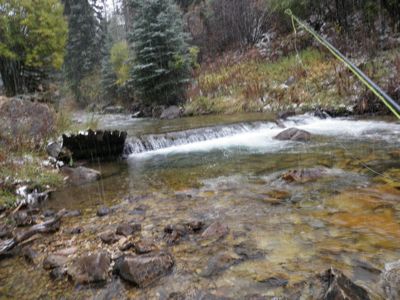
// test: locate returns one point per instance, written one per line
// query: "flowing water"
(230, 169)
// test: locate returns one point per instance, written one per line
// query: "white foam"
(261, 138)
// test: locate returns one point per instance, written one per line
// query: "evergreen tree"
(84, 49)
(160, 70)
(32, 40)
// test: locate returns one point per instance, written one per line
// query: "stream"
(230, 169)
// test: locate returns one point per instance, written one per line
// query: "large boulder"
(144, 270)
(23, 120)
(294, 134)
(171, 112)
(81, 175)
(90, 268)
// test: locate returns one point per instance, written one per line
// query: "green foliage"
(161, 65)
(33, 36)
(194, 57)
(120, 62)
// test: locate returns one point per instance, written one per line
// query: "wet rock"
(29, 254)
(90, 268)
(219, 263)
(128, 229)
(81, 175)
(22, 218)
(390, 280)
(3, 208)
(109, 237)
(112, 291)
(286, 114)
(303, 175)
(215, 230)
(195, 294)
(144, 270)
(49, 213)
(103, 211)
(58, 273)
(5, 231)
(140, 210)
(195, 226)
(72, 213)
(124, 244)
(53, 149)
(294, 134)
(144, 246)
(66, 251)
(54, 261)
(274, 282)
(247, 250)
(321, 114)
(337, 286)
(75, 230)
(174, 233)
(171, 112)
(255, 297)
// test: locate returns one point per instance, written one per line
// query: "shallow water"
(349, 217)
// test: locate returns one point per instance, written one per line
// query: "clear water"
(348, 218)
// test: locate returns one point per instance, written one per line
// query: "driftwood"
(45, 227)
(94, 145)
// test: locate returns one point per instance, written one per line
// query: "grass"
(23, 161)
(258, 85)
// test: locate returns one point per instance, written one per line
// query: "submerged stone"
(103, 211)
(109, 237)
(294, 134)
(390, 280)
(215, 230)
(145, 269)
(54, 261)
(128, 229)
(90, 268)
(219, 263)
(81, 175)
(303, 175)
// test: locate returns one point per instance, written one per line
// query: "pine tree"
(84, 50)
(160, 70)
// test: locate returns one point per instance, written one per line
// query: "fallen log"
(49, 226)
(94, 145)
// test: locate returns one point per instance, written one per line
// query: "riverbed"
(231, 170)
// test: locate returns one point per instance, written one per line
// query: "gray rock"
(171, 112)
(294, 134)
(390, 280)
(219, 263)
(103, 211)
(54, 261)
(81, 175)
(128, 229)
(22, 218)
(58, 273)
(274, 282)
(29, 254)
(109, 237)
(53, 149)
(90, 268)
(215, 230)
(5, 231)
(144, 246)
(144, 270)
